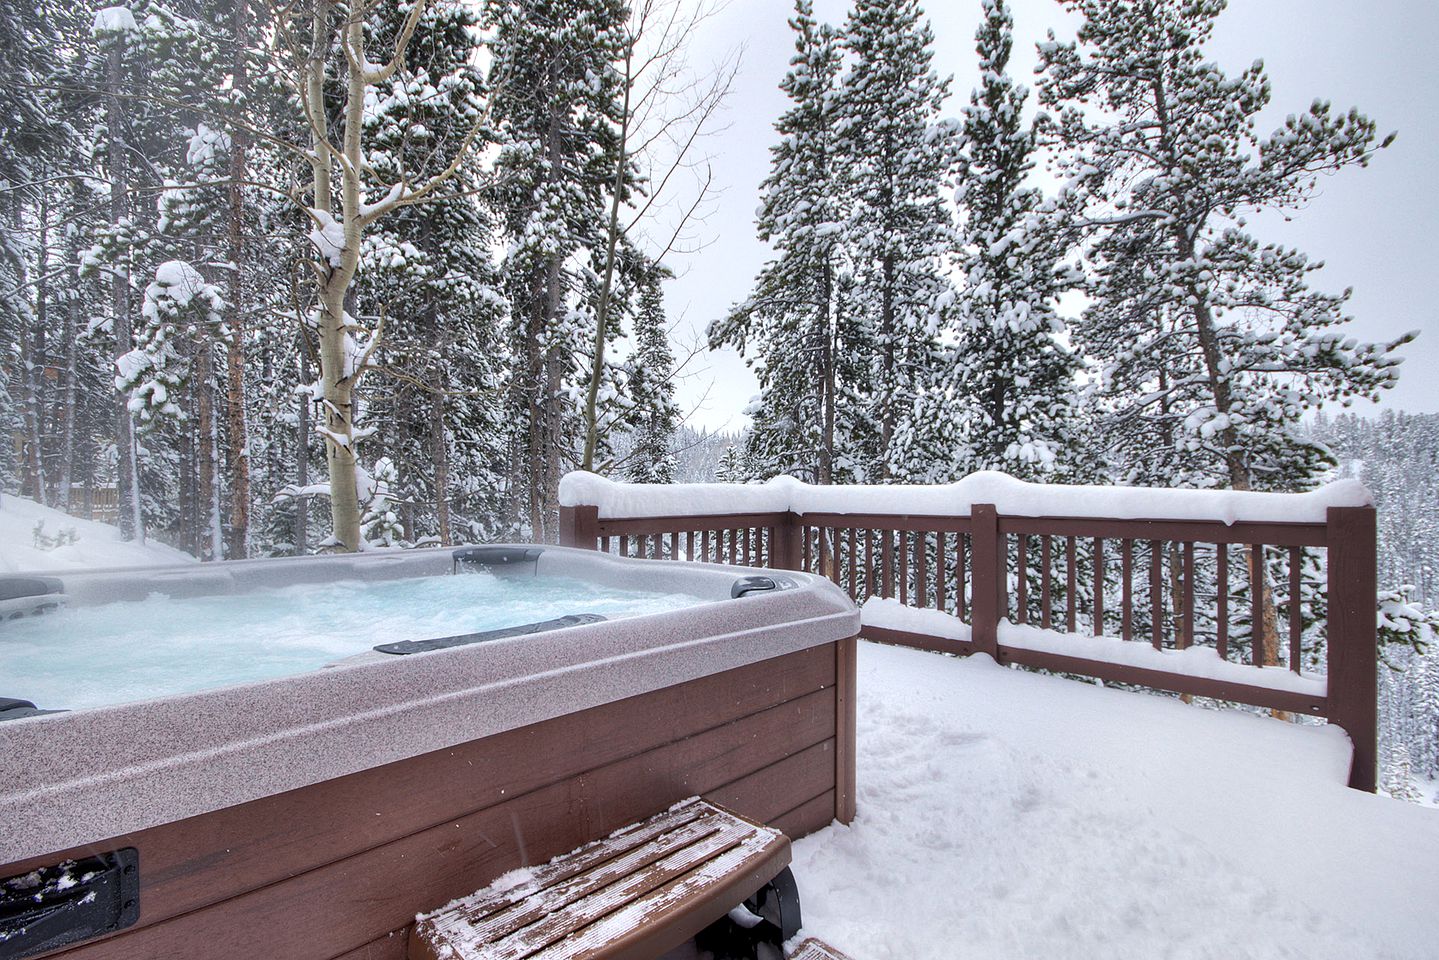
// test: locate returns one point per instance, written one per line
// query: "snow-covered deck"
(1004, 814)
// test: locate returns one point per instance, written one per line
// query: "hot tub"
(309, 804)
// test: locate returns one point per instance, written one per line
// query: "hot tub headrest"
(496, 556)
(16, 588)
(13, 709)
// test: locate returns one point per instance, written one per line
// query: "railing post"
(578, 526)
(985, 575)
(1352, 636)
(786, 554)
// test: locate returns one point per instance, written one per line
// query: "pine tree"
(429, 271)
(897, 159)
(1211, 346)
(1012, 402)
(557, 107)
(793, 328)
(650, 374)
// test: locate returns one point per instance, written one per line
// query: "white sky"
(1373, 227)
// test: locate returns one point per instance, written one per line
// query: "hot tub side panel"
(338, 869)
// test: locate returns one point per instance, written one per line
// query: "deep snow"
(96, 544)
(1004, 814)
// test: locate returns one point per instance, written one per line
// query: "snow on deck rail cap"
(1011, 497)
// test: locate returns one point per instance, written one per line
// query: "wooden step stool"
(813, 949)
(633, 895)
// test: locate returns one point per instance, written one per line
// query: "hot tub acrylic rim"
(112, 770)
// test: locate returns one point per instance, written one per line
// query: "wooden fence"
(1174, 583)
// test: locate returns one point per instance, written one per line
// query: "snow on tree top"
(1011, 497)
(114, 20)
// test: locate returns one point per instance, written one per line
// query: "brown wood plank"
(853, 566)
(1071, 585)
(921, 569)
(1099, 586)
(919, 641)
(392, 946)
(1296, 619)
(961, 600)
(812, 949)
(1021, 579)
(1162, 680)
(1221, 599)
(810, 816)
(886, 576)
(202, 860)
(1046, 576)
(903, 549)
(647, 525)
(1188, 595)
(1203, 531)
(1126, 601)
(1156, 594)
(889, 521)
(869, 570)
(770, 791)
(329, 910)
(941, 546)
(1256, 604)
(846, 700)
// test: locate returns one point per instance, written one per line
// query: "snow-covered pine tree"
(1211, 346)
(793, 328)
(556, 105)
(1011, 401)
(896, 157)
(650, 372)
(429, 271)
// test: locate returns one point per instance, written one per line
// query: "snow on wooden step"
(813, 949)
(576, 904)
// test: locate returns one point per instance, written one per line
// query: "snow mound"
(95, 544)
(1015, 498)
(1005, 815)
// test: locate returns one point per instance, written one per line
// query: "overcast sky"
(1373, 228)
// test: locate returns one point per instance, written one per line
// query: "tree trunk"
(127, 461)
(67, 401)
(302, 456)
(239, 448)
(439, 452)
(207, 503)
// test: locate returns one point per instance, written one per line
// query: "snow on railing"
(1017, 570)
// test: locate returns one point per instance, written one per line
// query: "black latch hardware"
(69, 902)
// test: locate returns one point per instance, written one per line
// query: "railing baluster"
(1098, 587)
(1296, 622)
(1071, 584)
(886, 576)
(939, 575)
(853, 566)
(1126, 601)
(624, 545)
(921, 568)
(1021, 579)
(868, 563)
(1046, 580)
(804, 548)
(1256, 603)
(903, 550)
(1221, 600)
(689, 544)
(835, 569)
(961, 599)
(1188, 595)
(1156, 593)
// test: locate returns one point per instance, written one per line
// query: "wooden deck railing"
(1176, 584)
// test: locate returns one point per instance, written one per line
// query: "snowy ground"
(1004, 814)
(96, 544)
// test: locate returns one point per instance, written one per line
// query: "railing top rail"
(1011, 498)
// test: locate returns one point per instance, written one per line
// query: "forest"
(325, 275)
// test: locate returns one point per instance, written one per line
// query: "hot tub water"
(80, 657)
